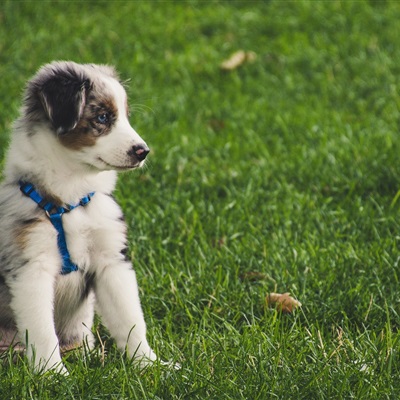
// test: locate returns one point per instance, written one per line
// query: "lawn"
(280, 175)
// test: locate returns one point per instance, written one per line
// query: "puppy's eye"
(102, 118)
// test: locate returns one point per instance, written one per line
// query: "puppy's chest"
(92, 237)
(80, 233)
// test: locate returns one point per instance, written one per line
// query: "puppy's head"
(86, 108)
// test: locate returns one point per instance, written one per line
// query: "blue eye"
(102, 118)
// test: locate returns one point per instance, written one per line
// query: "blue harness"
(55, 214)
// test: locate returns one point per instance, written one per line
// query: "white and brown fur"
(71, 138)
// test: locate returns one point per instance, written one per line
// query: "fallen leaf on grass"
(283, 302)
(237, 59)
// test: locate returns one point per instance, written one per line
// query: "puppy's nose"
(139, 151)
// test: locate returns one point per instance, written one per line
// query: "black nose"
(140, 151)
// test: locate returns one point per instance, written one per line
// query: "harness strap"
(55, 213)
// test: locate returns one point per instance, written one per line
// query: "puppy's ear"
(63, 97)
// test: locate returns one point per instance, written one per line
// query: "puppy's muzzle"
(139, 152)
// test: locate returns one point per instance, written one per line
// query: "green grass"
(287, 167)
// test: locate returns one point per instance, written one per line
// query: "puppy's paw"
(171, 365)
(60, 369)
(145, 362)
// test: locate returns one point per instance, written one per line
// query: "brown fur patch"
(50, 197)
(88, 129)
(22, 231)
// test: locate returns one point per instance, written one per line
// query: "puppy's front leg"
(32, 303)
(119, 305)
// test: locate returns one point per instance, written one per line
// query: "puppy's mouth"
(120, 167)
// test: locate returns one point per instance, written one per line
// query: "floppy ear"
(63, 98)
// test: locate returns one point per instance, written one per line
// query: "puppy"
(62, 235)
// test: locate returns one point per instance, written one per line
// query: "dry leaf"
(234, 61)
(237, 59)
(283, 302)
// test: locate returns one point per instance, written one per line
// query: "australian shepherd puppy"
(71, 138)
